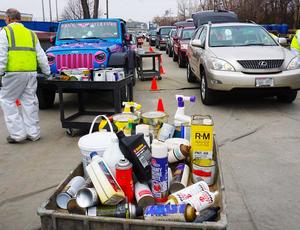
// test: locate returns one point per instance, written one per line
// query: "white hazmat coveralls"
(24, 123)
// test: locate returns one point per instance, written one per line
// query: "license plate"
(264, 82)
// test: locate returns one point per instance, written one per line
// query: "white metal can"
(143, 195)
(202, 200)
(69, 191)
(166, 132)
(204, 169)
(87, 197)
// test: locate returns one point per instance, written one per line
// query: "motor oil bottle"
(159, 171)
(136, 150)
(108, 189)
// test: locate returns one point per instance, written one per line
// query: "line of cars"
(226, 55)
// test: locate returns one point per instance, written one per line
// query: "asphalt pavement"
(258, 142)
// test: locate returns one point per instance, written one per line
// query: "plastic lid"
(142, 128)
(180, 102)
(92, 154)
(159, 149)
(207, 121)
(192, 98)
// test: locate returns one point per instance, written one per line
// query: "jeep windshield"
(242, 35)
(89, 30)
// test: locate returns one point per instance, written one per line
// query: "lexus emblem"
(262, 64)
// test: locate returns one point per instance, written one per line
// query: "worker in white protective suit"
(20, 54)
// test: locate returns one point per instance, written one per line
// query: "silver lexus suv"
(238, 56)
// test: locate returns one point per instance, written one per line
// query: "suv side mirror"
(128, 37)
(197, 43)
(157, 33)
(282, 41)
(52, 40)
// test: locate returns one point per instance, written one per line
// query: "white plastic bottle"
(145, 129)
(159, 171)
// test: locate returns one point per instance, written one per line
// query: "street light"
(43, 10)
(50, 10)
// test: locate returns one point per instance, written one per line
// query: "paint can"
(127, 210)
(87, 197)
(99, 75)
(121, 120)
(155, 119)
(166, 132)
(202, 200)
(159, 171)
(143, 195)
(204, 169)
(124, 178)
(170, 212)
(180, 152)
(74, 208)
(182, 195)
(69, 191)
(201, 137)
(180, 178)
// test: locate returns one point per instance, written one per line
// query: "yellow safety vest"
(21, 49)
(295, 43)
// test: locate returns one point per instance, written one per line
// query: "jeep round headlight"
(100, 57)
(51, 58)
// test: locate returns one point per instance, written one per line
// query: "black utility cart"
(148, 73)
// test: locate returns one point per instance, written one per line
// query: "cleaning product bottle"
(136, 150)
(180, 113)
(159, 171)
(144, 129)
(108, 189)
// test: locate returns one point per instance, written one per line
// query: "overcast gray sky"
(141, 10)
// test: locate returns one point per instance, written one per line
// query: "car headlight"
(219, 64)
(184, 46)
(100, 57)
(51, 58)
(294, 63)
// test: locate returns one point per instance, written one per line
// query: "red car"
(180, 45)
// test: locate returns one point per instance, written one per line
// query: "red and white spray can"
(124, 178)
(202, 200)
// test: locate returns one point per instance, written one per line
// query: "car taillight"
(100, 57)
(51, 59)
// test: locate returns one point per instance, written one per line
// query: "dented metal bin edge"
(53, 219)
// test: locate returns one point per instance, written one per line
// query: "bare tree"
(85, 8)
(96, 8)
(74, 10)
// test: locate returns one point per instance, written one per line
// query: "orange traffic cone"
(151, 49)
(160, 106)
(161, 70)
(154, 84)
(18, 102)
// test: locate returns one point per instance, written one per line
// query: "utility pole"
(43, 10)
(50, 10)
(56, 10)
(106, 8)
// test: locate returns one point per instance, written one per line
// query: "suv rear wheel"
(181, 62)
(190, 75)
(287, 97)
(175, 57)
(208, 96)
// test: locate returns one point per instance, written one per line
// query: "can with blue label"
(170, 212)
(159, 171)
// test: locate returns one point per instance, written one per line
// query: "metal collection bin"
(54, 218)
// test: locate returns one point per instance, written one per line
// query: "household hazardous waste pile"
(140, 166)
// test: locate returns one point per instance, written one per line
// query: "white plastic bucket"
(101, 142)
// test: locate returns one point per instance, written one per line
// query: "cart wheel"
(70, 132)
(159, 78)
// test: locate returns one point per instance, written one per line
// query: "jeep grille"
(72, 61)
(261, 64)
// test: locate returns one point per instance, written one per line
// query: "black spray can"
(136, 150)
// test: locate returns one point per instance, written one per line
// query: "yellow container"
(201, 138)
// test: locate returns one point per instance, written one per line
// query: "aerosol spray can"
(126, 210)
(143, 195)
(87, 197)
(69, 191)
(124, 178)
(170, 212)
(74, 208)
(182, 195)
(159, 171)
(202, 200)
(180, 178)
